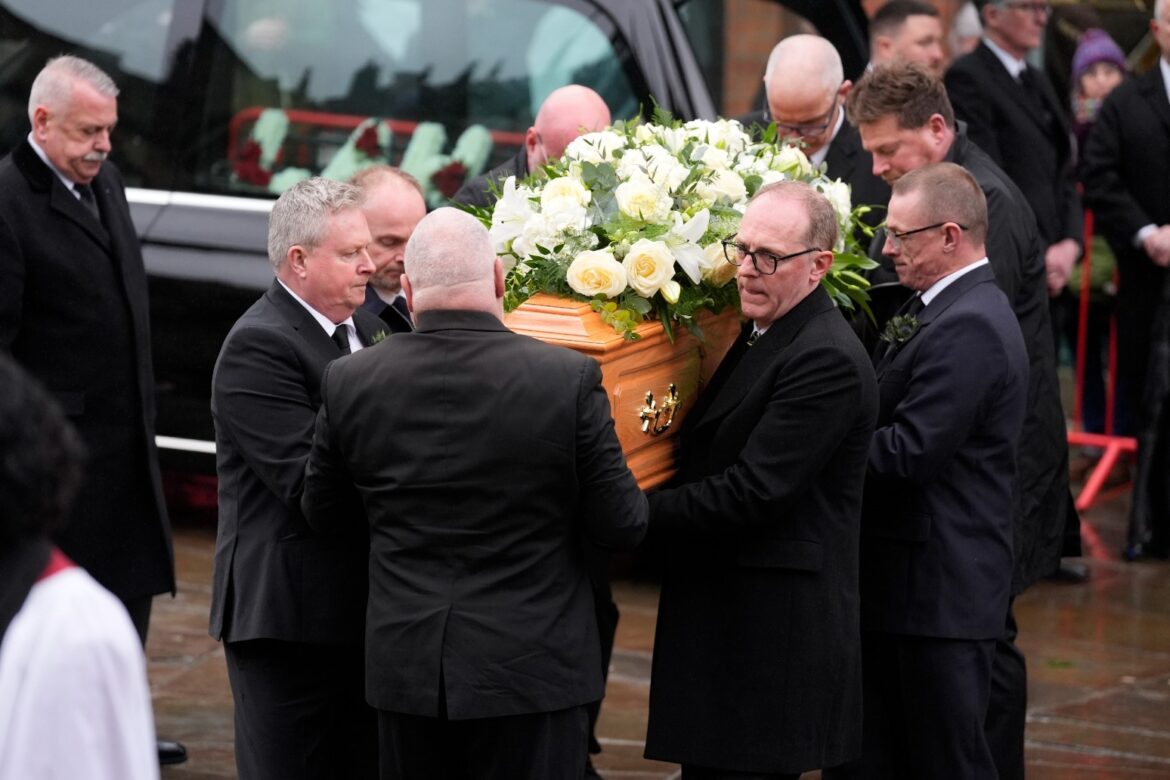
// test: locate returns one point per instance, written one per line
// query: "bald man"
(481, 475)
(806, 89)
(393, 205)
(565, 114)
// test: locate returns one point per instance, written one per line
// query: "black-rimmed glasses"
(899, 239)
(813, 128)
(764, 261)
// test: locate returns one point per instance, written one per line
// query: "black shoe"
(171, 752)
(1071, 572)
(1149, 551)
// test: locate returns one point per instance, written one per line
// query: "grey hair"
(299, 216)
(448, 248)
(822, 220)
(53, 86)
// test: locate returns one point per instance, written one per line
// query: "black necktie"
(341, 339)
(912, 307)
(88, 200)
(399, 305)
(1035, 92)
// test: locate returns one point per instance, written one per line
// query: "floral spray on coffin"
(616, 251)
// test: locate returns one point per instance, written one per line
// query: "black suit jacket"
(480, 476)
(936, 548)
(478, 192)
(1004, 123)
(757, 652)
(273, 577)
(74, 313)
(1127, 184)
(393, 318)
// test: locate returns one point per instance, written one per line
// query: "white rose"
(641, 198)
(650, 268)
(597, 272)
(539, 230)
(724, 133)
(632, 163)
(715, 267)
(724, 185)
(595, 147)
(563, 201)
(664, 168)
(711, 156)
(792, 161)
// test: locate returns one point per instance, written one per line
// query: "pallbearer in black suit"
(936, 539)
(756, 655)
(806, 89)
(74, 314)
(288, 604)
(393, 205)
(480, 475)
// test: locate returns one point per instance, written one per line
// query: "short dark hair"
(40, 457)
(893, 15)
(904, 90)
(949, 194)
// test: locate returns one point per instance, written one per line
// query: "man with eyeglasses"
(1015, 116)
(936, 538)
(757, 649)
(906, 121)
(806, 88)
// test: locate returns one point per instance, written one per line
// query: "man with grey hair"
(481, 476)
(74, 314)
(564, 115)
(288, 605)
(757, 653)
(806, 89)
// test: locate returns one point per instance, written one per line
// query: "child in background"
(1097, 67)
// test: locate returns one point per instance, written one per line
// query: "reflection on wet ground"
(1098, 654)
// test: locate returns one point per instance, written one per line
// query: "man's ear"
(40, 122)
(499, 277)
(822, 261)
(408, 293)
(295, 259)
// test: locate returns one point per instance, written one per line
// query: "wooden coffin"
(632, 369)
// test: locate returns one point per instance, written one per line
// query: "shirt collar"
(326, 324)
(936, 288)
(69, 183)
(1013, 65)
(387, 299)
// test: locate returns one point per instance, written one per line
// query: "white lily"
(683, 240)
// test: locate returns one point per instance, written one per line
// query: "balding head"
(805, 84)
(564, 115)
(450, 265)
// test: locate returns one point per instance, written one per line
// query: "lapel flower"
(900, 329)
(377, 337)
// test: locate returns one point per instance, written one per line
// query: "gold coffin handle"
(657, 419)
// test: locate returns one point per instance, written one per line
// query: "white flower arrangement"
(632, 217)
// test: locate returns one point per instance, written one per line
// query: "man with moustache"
(393, 205)
(74, 313)
(756, 654)
(289, 605)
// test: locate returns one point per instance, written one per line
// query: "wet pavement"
(1098, 656)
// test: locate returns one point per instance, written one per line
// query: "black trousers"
(301, 712)
(139, 611)
(537, 746)
(925, 707)
(1007, 709)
